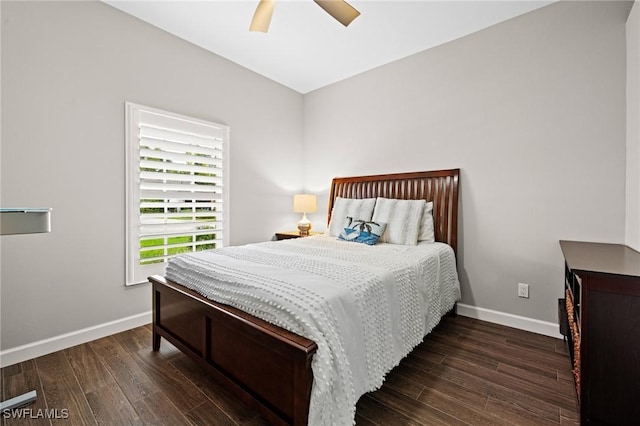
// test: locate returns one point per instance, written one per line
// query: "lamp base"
(304, 230)
(304, 226)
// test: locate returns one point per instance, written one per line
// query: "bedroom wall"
(633, 129)
(533, 112)
(67, 69)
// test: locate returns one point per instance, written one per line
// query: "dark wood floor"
(466, 372)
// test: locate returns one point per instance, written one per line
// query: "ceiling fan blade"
(342, 11)
(262, 16)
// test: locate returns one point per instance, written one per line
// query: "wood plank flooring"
(466, 372)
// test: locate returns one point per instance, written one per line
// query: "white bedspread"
(366, 307)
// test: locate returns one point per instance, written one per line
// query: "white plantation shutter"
(176, 169)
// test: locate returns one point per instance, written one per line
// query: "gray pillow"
(359, 208)
(427, 232)
(403, 219)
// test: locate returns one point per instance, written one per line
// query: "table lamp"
(23, 221)
(304, 203)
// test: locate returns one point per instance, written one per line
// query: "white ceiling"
(306, 48)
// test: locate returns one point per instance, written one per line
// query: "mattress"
(366, 307)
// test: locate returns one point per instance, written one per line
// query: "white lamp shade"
(305, 203)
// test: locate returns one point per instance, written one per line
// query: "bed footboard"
(266, 366)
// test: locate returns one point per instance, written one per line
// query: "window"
(176, 188)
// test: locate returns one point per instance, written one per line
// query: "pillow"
(349, 207)
(361, 231)
(403, 218)
(427, 232)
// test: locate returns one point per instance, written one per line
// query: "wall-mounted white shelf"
(24, 220)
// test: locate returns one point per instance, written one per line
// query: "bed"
(267, 366)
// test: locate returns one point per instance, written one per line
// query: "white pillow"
(403, 219)
(427, 233)
(357, 208)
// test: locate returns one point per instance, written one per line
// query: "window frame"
(135, 273)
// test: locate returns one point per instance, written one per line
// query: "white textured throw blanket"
(366, 307)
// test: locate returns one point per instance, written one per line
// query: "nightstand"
(287, 235)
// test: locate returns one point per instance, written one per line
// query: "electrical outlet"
(523, 290)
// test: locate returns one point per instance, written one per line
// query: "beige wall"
(67, 69)
(633, 129)
(533, 112)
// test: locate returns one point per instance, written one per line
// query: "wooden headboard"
(439, 186)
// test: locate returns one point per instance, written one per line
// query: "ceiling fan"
(342, 11)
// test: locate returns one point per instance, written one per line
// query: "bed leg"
(454, 311)
(156, 341)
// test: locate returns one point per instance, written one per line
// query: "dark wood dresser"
(602, 290)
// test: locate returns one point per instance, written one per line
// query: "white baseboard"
(64, 341)
(510, 320)
(67, 340)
